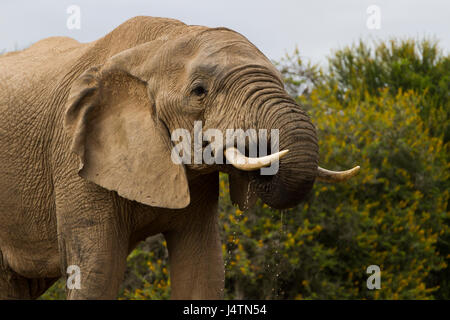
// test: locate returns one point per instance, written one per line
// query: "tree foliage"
(397, 64)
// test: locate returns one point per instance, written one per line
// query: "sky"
(276, 27)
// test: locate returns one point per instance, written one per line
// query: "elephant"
(85, 154)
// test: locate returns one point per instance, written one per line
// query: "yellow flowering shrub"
(147, 276)
(393, 213)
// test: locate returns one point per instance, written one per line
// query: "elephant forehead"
(211, 52)
(219, 59)
(231, 50)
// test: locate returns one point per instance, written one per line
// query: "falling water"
(277, 253)
(250, 194)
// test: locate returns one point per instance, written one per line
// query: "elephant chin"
(278, 194)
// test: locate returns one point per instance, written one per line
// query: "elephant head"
(121, 114)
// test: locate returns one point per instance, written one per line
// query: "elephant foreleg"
(195, 254)
(93, 243)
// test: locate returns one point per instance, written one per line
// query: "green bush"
(397, 64)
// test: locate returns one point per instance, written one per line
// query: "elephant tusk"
(325, 175)
(241, 162)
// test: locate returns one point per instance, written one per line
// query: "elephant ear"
(122, 144)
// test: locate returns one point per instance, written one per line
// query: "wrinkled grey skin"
(85, 171)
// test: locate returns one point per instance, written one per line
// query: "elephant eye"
(199, 91)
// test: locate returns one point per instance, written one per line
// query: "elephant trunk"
(299, 167)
